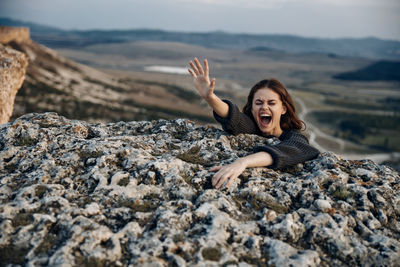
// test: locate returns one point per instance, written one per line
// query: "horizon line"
(198, 32)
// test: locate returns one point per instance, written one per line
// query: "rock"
(13, 66)
(13, 34)
(139, 194)
(289, 229)
(322, 204)
(361, 172)
(282, 254)
(92, 209)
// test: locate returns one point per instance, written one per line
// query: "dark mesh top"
(293, 148)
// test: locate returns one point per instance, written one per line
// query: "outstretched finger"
(215, 168)
(212, 84)
(194, 68)
(230, 180)
(222, 180)
(199, 67)
(206, 68)
(192, 73)
(216, 178)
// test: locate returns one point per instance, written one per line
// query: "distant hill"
(365, 47)
(36, 28)
(379, 71)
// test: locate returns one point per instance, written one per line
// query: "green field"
(380, 132)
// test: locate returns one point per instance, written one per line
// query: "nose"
(264, 106)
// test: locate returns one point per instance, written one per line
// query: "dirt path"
(315, 131)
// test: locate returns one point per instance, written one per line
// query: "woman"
(269, 111)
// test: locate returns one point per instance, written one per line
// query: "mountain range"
(372, 48)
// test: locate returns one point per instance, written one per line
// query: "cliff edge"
(13, 65)
(139, 193)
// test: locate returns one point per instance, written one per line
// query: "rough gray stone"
(322, 204)
(139, 194)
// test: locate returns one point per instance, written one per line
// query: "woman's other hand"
(201, 79)
(227, 173)
(232, 171)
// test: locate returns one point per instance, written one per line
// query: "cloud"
(283, 3)
(361, 3)
(243, 3)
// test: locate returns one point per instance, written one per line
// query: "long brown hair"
(289, 120)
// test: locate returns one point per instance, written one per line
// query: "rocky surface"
(139, 194)
(13, 66)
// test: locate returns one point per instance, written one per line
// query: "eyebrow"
(269, 100)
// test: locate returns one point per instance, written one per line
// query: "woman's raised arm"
(205, 87)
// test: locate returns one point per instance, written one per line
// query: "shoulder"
(236, 122)
(293, 135)
(233, 110)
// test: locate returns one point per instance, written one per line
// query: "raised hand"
(201, 79)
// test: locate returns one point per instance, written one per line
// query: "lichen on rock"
(139, 193)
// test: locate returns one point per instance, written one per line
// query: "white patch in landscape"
(167, 69)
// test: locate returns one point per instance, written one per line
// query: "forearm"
(233, 170)
(293, 149)
(219, 106)
(259, 159)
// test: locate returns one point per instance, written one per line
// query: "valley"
(308, 76)
(109, 82)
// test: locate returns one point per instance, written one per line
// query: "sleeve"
(293, 149)
(236, 122)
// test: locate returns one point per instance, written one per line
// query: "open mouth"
(265, 119)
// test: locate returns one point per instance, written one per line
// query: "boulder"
(13, 66)
(138, 193)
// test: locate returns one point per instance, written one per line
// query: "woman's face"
(267, 109)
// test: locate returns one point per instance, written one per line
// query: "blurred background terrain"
(347, 90)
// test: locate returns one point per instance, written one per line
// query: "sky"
(309, 18)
